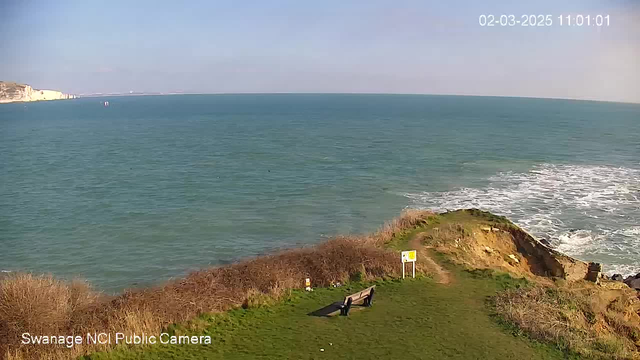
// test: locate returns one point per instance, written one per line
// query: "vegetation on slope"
(591, 321)
(422, 318)
(412, 319)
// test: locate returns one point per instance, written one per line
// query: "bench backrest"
(359, 295)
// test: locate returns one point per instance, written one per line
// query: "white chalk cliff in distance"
(13, 92)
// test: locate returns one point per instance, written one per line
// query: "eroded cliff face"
(13, 92)
(481, 240)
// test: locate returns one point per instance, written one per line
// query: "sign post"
(409, 256)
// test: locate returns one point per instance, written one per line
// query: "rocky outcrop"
(633, 282)
(479, 239)
(545, 261)
(13, 92)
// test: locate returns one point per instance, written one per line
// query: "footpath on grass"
(442, 275)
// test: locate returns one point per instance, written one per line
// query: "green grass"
(401, 242)
(411, 319)
(466, 220)
(473, 217)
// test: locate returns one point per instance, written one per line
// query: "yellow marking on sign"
(409, 256)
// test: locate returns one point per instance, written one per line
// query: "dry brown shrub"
(38, 305)
(31, 302)
(42, 305)
(409, 219)
(591, 321)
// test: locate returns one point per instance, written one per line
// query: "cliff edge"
(14, 92)
(485, 268)
(481, 240)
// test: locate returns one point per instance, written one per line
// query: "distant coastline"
(11, 92)
(124, 94)
(14, 92)
(92, 95)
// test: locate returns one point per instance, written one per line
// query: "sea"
(150, 188)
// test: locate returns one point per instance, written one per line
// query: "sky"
(424, 47)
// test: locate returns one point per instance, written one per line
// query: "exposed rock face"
(479, 239)
(468, 238)
(633, 283)
(545, 261)
(13, 92)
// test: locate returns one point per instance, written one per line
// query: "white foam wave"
(590, 212)
(631, 232)
(579, 242)
(624, 270)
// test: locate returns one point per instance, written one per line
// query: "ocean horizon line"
(95, 95)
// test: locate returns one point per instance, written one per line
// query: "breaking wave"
(590, 212)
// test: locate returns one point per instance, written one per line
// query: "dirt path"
(442, 275)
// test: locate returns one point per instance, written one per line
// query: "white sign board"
(409, 257)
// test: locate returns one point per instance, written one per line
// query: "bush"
(591, 321)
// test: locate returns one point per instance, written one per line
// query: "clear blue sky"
(434, 47)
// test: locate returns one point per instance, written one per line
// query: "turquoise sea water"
(152, 187)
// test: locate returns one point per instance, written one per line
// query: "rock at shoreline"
(633, 283)
(617, 277)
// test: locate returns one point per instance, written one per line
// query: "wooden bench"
(366, 296)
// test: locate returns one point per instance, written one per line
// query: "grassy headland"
(255, 308)
(413, 319)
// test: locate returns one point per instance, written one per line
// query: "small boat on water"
(106, 103)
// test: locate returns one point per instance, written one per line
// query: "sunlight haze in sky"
(430, 47)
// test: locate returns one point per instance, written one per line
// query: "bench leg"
(346, 308)
(369, 300)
